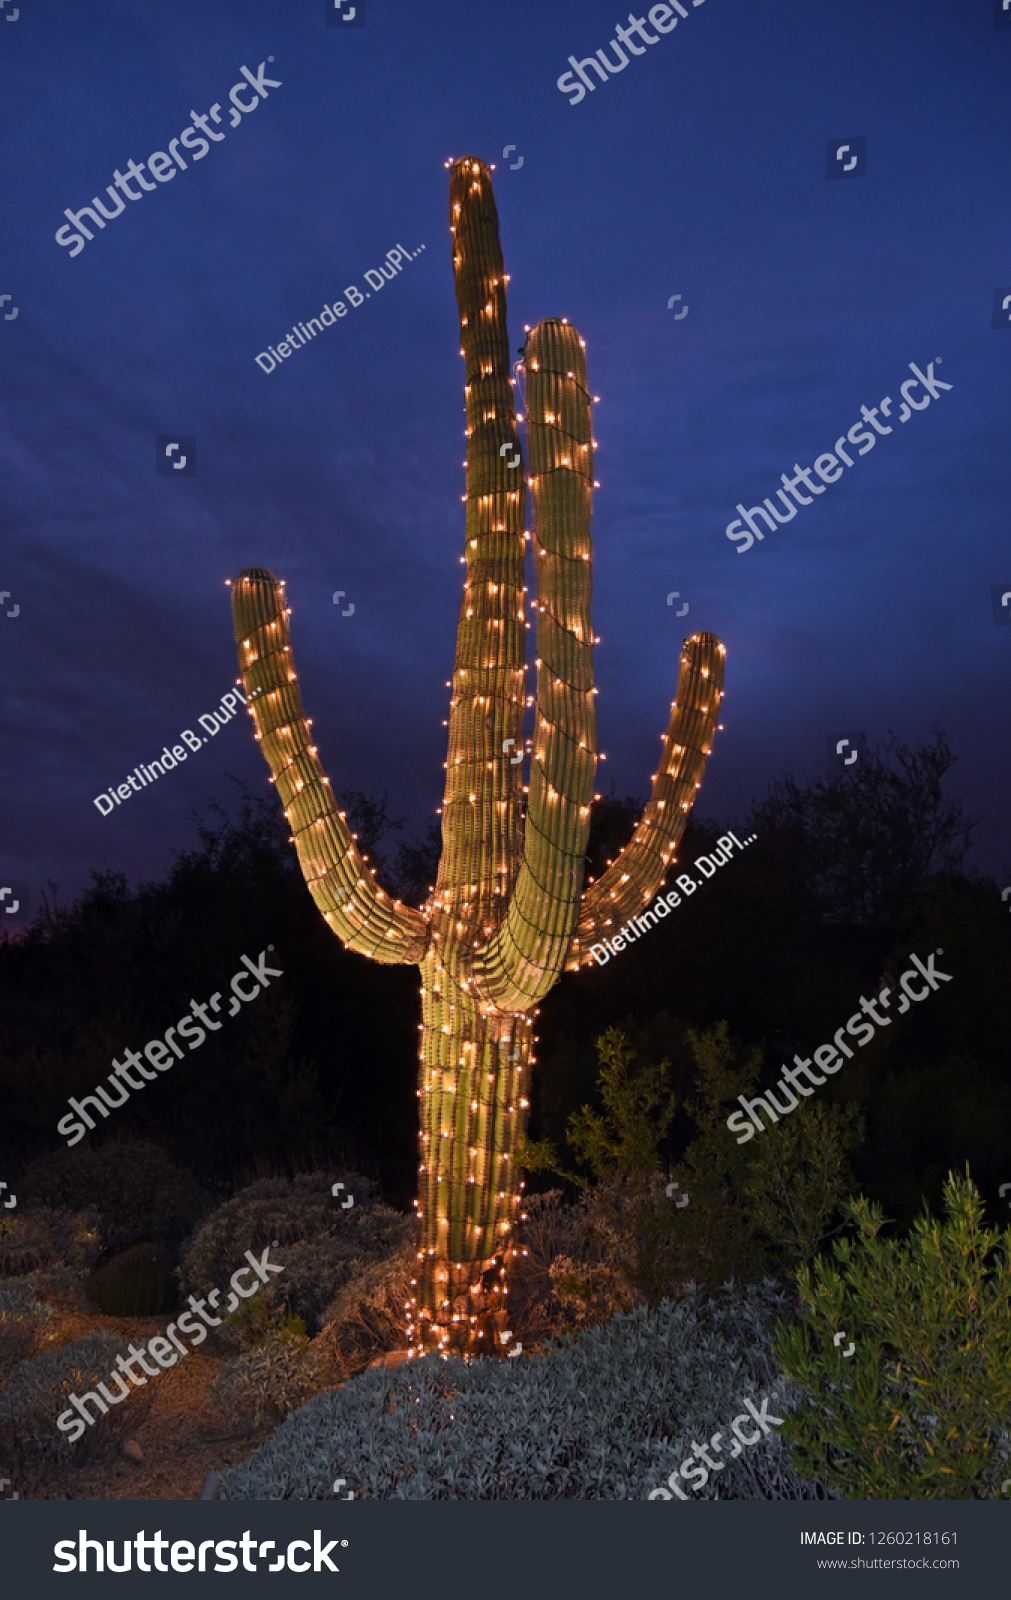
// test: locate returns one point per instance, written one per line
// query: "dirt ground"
(182, 1436)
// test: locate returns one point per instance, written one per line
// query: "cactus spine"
(507, 914)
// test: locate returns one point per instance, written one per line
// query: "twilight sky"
(699, 170)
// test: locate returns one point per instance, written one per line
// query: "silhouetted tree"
(370, 821)
(867, 841)
(117, 967)
(612, 824)
(417, 864)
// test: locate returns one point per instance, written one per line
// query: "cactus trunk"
(474, 1073)
(507, 914)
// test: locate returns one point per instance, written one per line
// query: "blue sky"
(698, 170)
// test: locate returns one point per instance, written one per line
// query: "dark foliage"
(50, 1245)
(321, 1064)
(783, 941)
(416, 865)
(612, 824)
(369, 820)
(136, 1191)
(872, 839)
(731, 1212)
(139, 1282)
(848, 874)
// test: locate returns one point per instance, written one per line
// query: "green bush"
(136, 1190)
(139, 1282)
(248, 1324)
(321, 1246)
(921, 1409)
(607, 1415)
(762, 1207)
(628, 1237)
(770, 1204)
(255, 1321)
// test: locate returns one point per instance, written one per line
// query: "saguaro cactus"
(507, 913)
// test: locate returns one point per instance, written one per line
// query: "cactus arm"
(641, 868)
(481, 814)
(523, 959)
(339, 879)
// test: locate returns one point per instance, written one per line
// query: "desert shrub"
(628, 1239)
(58, 1244)
(36, 1394)
(255, 1321)
(321, 1246)
(136, 1190)
(21, 1320)
(769, 1205)
(282, 1370)
(760, 1208)
(606, 1415)
(250, 1323)
(921, 1410)
(139, 1282)
(550, 1228)
(369, 1315)
(592, 1291)
(288, 1210)
(551, 1231)
(316, 1270)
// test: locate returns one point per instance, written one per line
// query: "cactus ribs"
(507, 914)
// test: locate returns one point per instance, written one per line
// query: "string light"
(476, 1031)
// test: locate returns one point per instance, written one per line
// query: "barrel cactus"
(139, 1282)
(508, 912)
